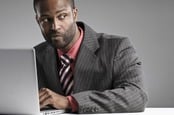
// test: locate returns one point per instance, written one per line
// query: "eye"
(45, 20)
(62, 16)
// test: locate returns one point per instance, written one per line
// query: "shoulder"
(42, 47)
(110, 37)
(118, 45)
(113, 40)
(101, 37)
(91, 35)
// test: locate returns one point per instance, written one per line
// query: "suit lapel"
(84, 64)
(86, 59)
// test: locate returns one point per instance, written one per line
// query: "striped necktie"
(66, 75)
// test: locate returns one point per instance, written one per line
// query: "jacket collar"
(90, 37)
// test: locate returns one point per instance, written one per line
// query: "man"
(81, 70)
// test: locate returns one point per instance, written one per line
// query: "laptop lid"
(18, 82)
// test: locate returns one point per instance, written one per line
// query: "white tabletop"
(148, 111)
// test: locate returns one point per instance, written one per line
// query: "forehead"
(52, 6)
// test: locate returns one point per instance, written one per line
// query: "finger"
(44, 94)
(43, 98)
(46, 101)
(42, 91)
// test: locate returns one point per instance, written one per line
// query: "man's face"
(57, 21)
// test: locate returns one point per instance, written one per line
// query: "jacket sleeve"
(127, 94)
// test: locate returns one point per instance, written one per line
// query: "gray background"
(148, 23)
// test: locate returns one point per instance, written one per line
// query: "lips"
(56, 35)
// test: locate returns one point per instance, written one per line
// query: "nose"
(55, 25)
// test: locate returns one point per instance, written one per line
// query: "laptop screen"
(18, 82)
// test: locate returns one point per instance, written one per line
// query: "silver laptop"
(18, 83)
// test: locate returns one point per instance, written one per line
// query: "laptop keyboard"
(52, 112)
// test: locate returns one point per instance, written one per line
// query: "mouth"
(56, 35)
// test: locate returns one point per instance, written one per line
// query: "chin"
(58, 46)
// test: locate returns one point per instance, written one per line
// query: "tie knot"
(66, 59)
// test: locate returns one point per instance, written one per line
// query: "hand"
(48, 97)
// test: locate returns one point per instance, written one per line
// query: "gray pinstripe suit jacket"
(108, 73)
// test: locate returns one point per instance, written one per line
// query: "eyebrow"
(57, 12)
(64, 9)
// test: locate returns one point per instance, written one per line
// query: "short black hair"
(35, 2)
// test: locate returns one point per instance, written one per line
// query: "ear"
(75, 14)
